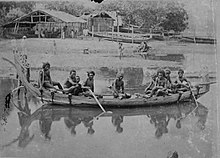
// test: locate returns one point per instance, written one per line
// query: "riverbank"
(66, 54)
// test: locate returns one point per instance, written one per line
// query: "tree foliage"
(149, 14)
(73, 8)
(11, 10)
(176, 18)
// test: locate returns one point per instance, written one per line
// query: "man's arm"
(122, 87)
(70, 80)
(40, 79)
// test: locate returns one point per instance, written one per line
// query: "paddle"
(98, 101)
(113, 90)
(194, 98)
(96, 117)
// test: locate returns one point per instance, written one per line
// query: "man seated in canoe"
(118, 87)
(45, 80)
(161, 84)
(181, 83)
(89, 81)
(72, 84)
(89, 84)
(151, 85)
(170, 86)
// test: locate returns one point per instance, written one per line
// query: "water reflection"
(116, 121)
(71, 122)
(159, 118)
(24, 115)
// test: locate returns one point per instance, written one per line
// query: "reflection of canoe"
(164, 56)
(122, 37)
(107, 101)
(55, 113)
(198, 40)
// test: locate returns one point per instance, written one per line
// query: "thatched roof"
(58, 15)
(65, 17)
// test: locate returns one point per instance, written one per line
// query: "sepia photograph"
(108, 79)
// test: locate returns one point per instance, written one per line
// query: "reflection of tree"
(116, 121)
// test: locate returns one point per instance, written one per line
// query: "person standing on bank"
(120, 50)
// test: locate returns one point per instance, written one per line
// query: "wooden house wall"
(49, 27)
(53, 27)
(100, 24)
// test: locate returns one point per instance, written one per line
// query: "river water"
(29, 129)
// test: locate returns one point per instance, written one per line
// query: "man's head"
(120, 76)
(180, 72)
(73, 73)
(91, 74)
(46, 66)
(160, 73)
(167, 72)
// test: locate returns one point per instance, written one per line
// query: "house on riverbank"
(103, 21)
(45, 23)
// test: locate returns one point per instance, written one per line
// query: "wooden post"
(15, 27)
(117, 27)
(112, 32)
(92, 31)
(132, 35)
(98, 27)
(61, 32)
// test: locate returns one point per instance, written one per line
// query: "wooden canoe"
(106, 101)
(122, 38)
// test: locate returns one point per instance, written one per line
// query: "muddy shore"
(65, 54)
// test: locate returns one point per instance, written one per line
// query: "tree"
(11, 10)
(176, 18)
(73, 8)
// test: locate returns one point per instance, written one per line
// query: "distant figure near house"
(85, 32)
(36, 32)
(54, 47)
(63, 31)
(42, 33)
(120, 50)
(72, 33)
(143, 47)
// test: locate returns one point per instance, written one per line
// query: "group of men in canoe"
(71, 85)
(160, 85)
